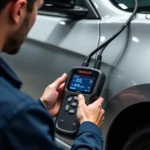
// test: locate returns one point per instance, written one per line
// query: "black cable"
(88, 59)
(98, 60)
(122, 28)
(100, 52)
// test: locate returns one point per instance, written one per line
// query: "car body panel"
(79, 36)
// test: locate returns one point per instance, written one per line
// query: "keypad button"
(74, 124)
(75, 97)
(71, 111)
(74, 104)
(61, 120)
(69, 99)
(67, 107)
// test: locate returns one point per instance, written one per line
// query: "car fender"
(121, 101)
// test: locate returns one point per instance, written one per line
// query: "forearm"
(88, 138)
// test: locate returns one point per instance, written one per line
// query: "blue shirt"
(25, 124)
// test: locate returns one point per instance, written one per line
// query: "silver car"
(65, 33)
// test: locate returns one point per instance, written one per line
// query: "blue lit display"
(81, 83)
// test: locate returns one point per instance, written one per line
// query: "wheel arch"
(122, 109)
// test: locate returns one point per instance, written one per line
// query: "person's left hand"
(53, 95)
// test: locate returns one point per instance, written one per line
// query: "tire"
(139, 140)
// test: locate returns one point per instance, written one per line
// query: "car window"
(51, 8)
(128, 5)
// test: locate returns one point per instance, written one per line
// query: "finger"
(56, 84)
(98, 102)
(61, 87)
(101, 118)
(101, 125)
(102, 111)
(81, 100)
(61, 93)
(101, 115)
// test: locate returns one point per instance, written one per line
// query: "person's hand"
(93, 112)
(53, 95)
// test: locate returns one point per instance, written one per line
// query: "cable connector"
(98, 62)
(86, 62)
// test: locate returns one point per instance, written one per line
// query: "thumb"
(81, 99)
(56, 84)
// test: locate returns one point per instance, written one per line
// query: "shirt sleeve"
(31, 129)
(89, 138)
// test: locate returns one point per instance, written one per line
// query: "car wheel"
(139, 140)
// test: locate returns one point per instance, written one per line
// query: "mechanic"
(27, 124)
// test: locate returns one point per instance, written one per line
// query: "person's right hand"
(93, 112)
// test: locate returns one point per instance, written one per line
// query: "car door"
(57, 42)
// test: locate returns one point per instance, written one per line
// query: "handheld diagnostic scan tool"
(87, 81)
